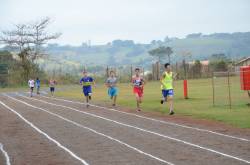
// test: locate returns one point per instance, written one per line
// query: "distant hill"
(126, 52)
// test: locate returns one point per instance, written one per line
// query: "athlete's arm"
(143, 82)
(93, 82)
(107, 83)
(80, 82)
(162, 77)
(132, 81)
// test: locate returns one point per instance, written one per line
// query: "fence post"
(107, 72)
(213, 86)
(131, 73)
(185, 89)
(185, 69)
(229, 90)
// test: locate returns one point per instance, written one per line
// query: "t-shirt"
(38, 83)
(112, 81)
(167, 81)
(137, 81)
(52, 83)
(31, 83)
(86, 81)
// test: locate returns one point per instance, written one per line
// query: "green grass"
(12, 89)
(199, 105)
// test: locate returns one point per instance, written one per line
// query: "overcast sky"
(102, 21)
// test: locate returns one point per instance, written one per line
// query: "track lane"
(151, 119)
(240, 149)
(25, 145)
(104, 151)
(85, 119)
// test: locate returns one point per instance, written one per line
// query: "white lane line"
(164, 122)
(7, 158)
(144, 130)
(94, 131)
(46, 135)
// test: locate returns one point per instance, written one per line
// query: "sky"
(103, 21)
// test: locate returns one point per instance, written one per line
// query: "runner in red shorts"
(138, 84)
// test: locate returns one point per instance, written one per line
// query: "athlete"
(31, 84)
(87, 82)
(138, 84)
(52, 84)
(167, 87)
(38, 84)
(111, 83)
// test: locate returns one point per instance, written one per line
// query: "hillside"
(126, 52)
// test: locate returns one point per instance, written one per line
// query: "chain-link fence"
(227, 88)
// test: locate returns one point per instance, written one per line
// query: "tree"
(161, 52)
(185, 54)
(6, 61)
(197, 68)
(219, 62)
(27, 41)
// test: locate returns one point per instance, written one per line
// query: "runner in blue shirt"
(38, 84)
(86, 82)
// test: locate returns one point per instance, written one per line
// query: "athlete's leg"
(114, 100)
(138, 102)
(38, 90)
(164, 96)
(87, 101)
(31, 92)
(53, 90)
(171, 106)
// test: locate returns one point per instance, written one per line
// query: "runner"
(52, 84)
(138, 84)
(111, 83)
(86, 82)
(167, 87)
(31, 84)
(38, 83)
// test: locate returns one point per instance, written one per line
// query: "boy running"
(52, 84)
(112, 87)
(167, 87)
(31, 84)
(38, 83)
(138, 84)
(86, 82)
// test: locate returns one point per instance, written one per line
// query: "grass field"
(199, 104)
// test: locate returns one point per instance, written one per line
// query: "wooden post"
(158, 70)
(131, 73)
(185, 69)
(229, 90)
(213, 86)
(8, 78)
(152, 71)
(176, 67)
(107, 72)
(143, 72)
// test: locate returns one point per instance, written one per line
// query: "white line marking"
(43, 133)
(92, 130)
(7, 158)
(165, 122)
(144, 130)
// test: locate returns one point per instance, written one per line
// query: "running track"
(42, 130)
